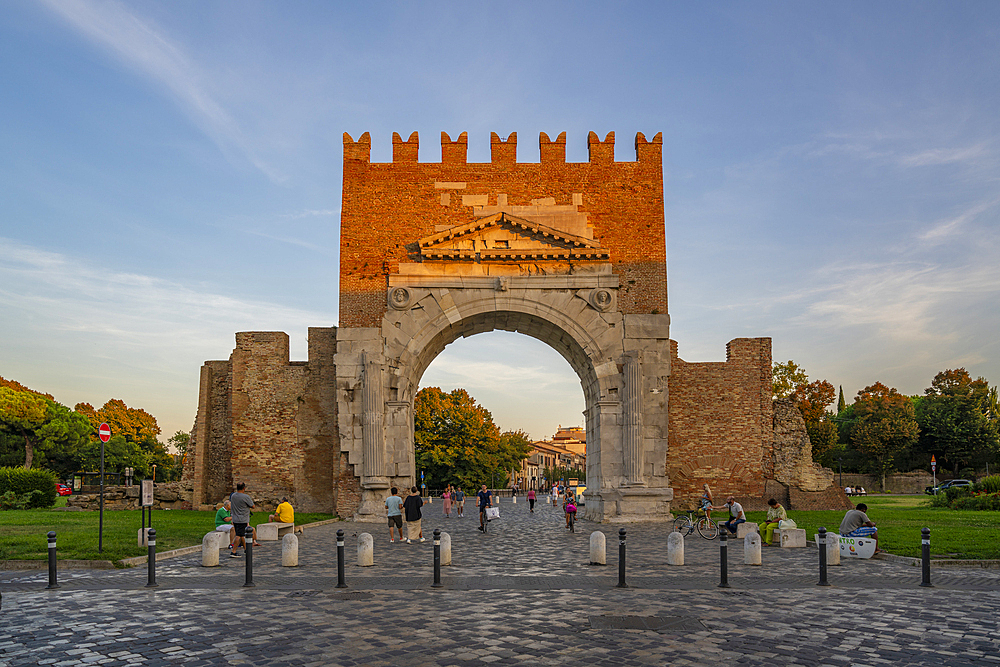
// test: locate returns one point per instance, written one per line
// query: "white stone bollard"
(209, 551)
(675, 549)
(445, 548)
(366, 550)
(832, 548)
(289, 551)
(514, 500)
(598, 548)
(751, 549)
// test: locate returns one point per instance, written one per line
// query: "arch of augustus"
(572, 254)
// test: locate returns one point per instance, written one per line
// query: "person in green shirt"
(224, 522)
(775, 515)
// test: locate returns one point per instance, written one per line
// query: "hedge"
(22, 482)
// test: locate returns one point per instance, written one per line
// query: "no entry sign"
(104, 432)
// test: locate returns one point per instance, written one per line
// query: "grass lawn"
(23, 533)
(964, 534)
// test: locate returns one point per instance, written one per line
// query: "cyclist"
(569, 506)
(484, 502)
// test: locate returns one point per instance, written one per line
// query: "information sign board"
(147, 493)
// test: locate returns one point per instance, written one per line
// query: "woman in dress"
(446, 496)
(706, 500)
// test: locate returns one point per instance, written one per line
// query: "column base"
(629, 505)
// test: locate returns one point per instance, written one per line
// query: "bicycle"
(686, 524)
(572, 521)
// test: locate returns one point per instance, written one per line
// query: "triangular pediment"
(505, 237)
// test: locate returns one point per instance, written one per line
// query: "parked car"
(63, 490)
(951, 483)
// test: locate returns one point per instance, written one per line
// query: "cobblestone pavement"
(522, 594)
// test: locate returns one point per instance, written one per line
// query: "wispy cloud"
(310, 213)
(147, 49)
(952, 225)
(936, 156)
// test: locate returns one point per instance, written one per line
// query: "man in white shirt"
(736, 515)
(394, 511)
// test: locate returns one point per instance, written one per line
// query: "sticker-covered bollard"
(445, 549)
(52, 560)
(289, 551)
(209, 551)
(598, 548)
(751, 549)
(366, 550)
(675, 549)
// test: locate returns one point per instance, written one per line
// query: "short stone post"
(445, 549)
(675, 549)
(289, 551)
(209, 551)
(514, 500)
(833, 548)
(598, 548)
(751, 549)
(366, 550)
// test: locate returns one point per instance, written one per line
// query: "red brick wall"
(387, 207)
(720, 423)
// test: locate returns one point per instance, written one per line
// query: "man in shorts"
(736, 515)
(240, 504)
(224, 522)
(459, 499)
(394, 510)
(857, 524)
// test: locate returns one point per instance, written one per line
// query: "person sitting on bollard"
(224, 522)
(775, 515)
(736, 515)
(706, 501)
(283, 513)
(857, 524)
(394, 510)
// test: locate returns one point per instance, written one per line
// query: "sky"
(170, 174)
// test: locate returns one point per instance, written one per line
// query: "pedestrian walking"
(411, 507)
(531, 500)
(485, 501)
(241, 503)
(446, 497)
(394, 511)
(459, 499)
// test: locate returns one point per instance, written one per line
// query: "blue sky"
(171, 174)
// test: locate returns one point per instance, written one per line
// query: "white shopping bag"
(492, 512)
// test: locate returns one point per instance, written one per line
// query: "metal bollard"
(925, 557)
(151, 559)
(621, 559)
(437, 558)
(724, 559)
(821, 543)
(52, 560)
(340, 560)
(248, 548)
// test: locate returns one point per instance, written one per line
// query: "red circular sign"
(104, 432)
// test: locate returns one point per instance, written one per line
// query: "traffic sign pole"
(104, 433)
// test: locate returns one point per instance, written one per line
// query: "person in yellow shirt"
(283, 513)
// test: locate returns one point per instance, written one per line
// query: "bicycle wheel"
(683, 525)
(708, 528)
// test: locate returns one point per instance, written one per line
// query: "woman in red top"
(531, 500)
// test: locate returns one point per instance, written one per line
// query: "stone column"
(373, 424)
(632, 420)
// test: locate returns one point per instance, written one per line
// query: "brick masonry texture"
(388, 206)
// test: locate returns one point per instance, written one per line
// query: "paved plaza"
(523, 594)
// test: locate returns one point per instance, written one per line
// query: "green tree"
(954, 418)
(786, 378)
(51, 432)
(456, 441)
(841, 403)
(812, 400)
(179, 441)
(884, 426)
